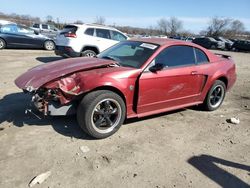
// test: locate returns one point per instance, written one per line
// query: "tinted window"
(69, 29)
(89, 31)
(200, 56)
(176, 56)
(45, 26)
(118, 36)
(36, 25)
(24, 30)
(9, 29)
(103, 33)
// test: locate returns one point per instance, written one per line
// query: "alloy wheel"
(217, 96)
(106, 115)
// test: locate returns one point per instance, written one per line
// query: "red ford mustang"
(134, 78)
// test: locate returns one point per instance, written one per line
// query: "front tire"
(215, 96)
(2, 44)
(101, 113)
(49, 45)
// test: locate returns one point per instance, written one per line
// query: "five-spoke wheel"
(101, 113)
(215, 96)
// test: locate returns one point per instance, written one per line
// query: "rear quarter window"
(201, 57)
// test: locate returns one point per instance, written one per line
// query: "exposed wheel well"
(91, 48)
(110, 88)
(223, 79)
(3, 40)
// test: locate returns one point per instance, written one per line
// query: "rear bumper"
(66, 51)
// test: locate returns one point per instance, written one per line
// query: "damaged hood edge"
(42, 74)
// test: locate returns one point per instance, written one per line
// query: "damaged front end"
(57, 98)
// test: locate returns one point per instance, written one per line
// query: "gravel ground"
(184, 148)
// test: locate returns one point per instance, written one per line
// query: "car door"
(28, 38)
(11, 35)
(177, 84)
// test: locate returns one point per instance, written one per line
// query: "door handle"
(194, 73)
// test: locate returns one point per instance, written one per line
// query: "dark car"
(209, 43)
(241, 45)
(134, 78)
(19, 36)
(227, 42)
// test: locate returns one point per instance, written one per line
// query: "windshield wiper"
(113, 59)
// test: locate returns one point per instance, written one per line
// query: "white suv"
(86, 40)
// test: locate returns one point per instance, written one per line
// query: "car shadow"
(134, 120)
(207, 165)
(48, 59)
(13, 107)
(12, 110)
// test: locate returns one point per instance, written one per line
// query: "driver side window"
(176, 56)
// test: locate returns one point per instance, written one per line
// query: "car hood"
(42, 74)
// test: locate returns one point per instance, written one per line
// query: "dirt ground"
(185, 148)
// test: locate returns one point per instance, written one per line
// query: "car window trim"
(196, 62)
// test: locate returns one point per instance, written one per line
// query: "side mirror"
(156, 67)
(36, 32)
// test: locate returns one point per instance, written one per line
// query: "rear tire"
(215, 96)
(2, 44)
(88, 53)
(101, 113)
(49, 45)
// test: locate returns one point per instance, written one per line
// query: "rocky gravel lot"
(184, 148)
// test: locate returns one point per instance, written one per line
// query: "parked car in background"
(227, 42)
(177, 37)
(46, 29)
(189, 39)
(86, 40)
(209, 43)
(19, 36)
(133, 78)
(241, 45)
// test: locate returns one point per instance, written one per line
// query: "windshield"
(130, 53)
(212, 39)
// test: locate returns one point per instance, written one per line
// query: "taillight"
(73, 35)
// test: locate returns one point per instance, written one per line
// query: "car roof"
(162, 41)
(93, 25)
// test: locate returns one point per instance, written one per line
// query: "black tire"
(88, 53)
(101, 113)
(215, 96)
(213, 46)
(49, 45)
(2, 44)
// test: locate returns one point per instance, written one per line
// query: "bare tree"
(225, 27)
(175, 26)
(163, 25)
(218, 26)
(100, 20)
(237, 27)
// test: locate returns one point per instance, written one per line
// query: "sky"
(195, 14)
